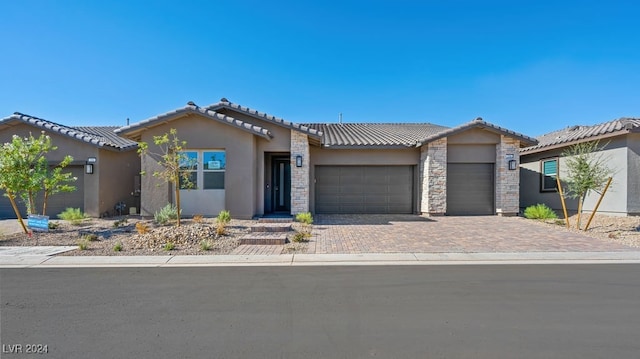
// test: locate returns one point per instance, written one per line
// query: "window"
(206, 169)
(548, 174)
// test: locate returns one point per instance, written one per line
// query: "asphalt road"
(522, 311)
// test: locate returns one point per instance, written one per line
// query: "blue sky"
(530, 66)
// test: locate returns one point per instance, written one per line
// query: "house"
(106, 165)
(542, 162)
(254, 164)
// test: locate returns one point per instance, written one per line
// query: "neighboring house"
(255, 164)
(113, 159)
(542, 162)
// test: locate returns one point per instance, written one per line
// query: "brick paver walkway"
(412, 233)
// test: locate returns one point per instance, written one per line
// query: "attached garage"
(470, 189)
(57, 203)
(364, 189)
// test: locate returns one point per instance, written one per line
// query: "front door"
(281, 184)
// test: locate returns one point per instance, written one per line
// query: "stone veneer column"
(507, 182)
(433, 177)
(299, 175)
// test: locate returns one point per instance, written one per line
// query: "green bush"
(539, 211)
(205, 245)
(224, 217)
(166, 214)
(117, 247)
(305, 218)
(169, 246)
(90, 237)
(301, 237)
(73, 215)
(83, 244)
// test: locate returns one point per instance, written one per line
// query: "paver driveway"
(412, 233)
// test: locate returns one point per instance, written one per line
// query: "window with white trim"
(548, 174)
(206, 169)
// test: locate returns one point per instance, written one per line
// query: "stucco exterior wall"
(615, 200)
(202, 133)
(633, 174)
(116, 172)
(66, 146)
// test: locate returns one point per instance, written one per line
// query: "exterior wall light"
(88, 167)
(298, 161)
(513, 165)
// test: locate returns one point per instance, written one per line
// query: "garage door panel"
(470, 189)
(364, 189)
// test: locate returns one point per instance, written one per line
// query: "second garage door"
(364, 189)
(470, 189)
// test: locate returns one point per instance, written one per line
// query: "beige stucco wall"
(245, 172)
(614, 202)
(633, 174)
(115, 172)
(104, 188)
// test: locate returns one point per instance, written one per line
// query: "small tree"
(177, 165)
(24, 171)
(586, 171)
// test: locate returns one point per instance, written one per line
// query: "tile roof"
(480, 123)
(192, 108)
(226, 104)
(100, 136)
(374, 134)
(575, 134)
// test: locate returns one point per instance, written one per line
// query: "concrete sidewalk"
(41, 261)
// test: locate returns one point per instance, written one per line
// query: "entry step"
(270, 227)
(262, 238)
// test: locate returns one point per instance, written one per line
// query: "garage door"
(57, 203)
(470, 189)
(364, 189)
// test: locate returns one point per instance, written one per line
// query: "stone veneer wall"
(507, 182)
(433, 177)
(299, 175)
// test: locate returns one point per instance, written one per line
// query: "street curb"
(282, 260)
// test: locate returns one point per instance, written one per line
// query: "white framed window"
(206, 169)
(548, 174)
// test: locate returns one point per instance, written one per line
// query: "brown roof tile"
(374, 134)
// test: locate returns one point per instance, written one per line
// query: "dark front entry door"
(281, 185)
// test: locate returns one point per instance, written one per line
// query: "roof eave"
(526, 151)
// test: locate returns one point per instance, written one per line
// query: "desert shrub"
(166, 214)
(83, 244)
(223, 219)
(120, 223)
(169, 246)
(301, 237)
(117, 247)
(54, 225)
(142, 228)
(198, 218)
(205, 245)
(90, 237)
(73, 215)
(539, 211)
(304, 218)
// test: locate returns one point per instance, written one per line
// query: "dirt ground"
(102, 235)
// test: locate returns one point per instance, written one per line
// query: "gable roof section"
(576, 134)
(100, 136)
(481, 124)
(374, 135)
(134, 130)
(227, 105)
